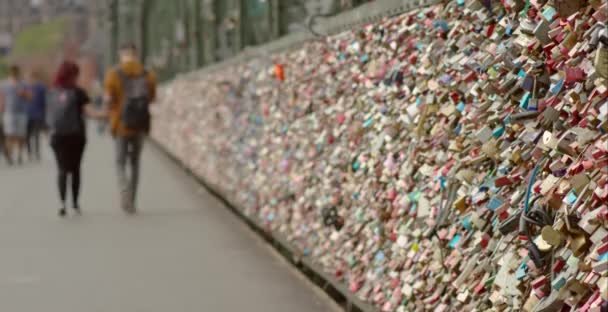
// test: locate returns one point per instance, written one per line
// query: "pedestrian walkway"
(183, 252)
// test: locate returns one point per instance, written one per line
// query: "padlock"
(396, 88)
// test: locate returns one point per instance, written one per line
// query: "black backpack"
(135, 113)
(64, 116)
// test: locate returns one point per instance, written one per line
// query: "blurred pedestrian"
(3, 148)
(67, 105)
(16, 99)
(129, 90)
(36, 115)
(97, 94)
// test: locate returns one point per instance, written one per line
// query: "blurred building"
(17, 14)
(14, 15)
(82, 39)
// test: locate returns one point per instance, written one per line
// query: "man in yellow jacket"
(129, 89)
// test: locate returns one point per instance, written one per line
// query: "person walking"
(68, 104)
(97, 93)
(129, 90)
(14, 118)
(36, 119)
(3, 148)
(3, 145)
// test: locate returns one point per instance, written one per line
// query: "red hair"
(66, 75)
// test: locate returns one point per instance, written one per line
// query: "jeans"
(128, 154)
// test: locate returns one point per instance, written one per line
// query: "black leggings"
(68, 153)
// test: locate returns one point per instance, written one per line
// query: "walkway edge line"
(335, 289)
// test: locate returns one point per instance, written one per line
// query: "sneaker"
(62, 212)
(77, 210)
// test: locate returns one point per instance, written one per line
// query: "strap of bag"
(124, 77)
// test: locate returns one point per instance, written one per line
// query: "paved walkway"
(184, 252)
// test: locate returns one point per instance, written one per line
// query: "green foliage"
(40, 39)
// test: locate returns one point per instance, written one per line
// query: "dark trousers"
(34, 130)
(68, 153)
(128, 156)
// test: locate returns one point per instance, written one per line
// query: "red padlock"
(279, 72)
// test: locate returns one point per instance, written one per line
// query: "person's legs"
(75, 172)
(62, 182)
(34, 140)
(11, 143)
(76, 188)
(60, 151)
(4, 147)
(20, 147)
(30, 138)
(6, 138)
(122, 145)
(21, 136)
(136, 146)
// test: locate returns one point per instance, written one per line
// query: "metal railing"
(181, 36)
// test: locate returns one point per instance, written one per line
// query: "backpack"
(63, 113)
(135, 114)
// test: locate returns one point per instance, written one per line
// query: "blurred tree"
(182, 35)
(257, 24)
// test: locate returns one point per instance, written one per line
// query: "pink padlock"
(341, 118)
(284, 165)
(391, 194)
(354, 286)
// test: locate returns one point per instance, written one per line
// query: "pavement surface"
(183, 252)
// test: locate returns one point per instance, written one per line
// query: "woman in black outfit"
(68, 104)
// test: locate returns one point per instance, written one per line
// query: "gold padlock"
(516, 157)
(601, 61)
(578, 244)
(551, 236)
(460, 204)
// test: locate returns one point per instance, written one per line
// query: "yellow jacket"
(115, 93)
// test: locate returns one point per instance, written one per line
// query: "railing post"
(114, 31)
(209, 20)
(275, 19)
(238, 30)
(143, 28)
(196, 38)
